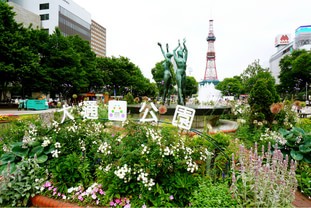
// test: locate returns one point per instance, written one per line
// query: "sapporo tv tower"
(210, 75)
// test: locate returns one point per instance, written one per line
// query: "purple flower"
(127, 206)
(171, 197)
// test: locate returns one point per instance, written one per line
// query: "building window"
(44, 6)
(44, 17)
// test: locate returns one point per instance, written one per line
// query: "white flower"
(57, 145)
(45, 142)
(55, 153)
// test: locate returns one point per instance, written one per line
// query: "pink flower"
(101, 192)
(47, 184)
(59, 194)
(95, 190)
(97, 202)
(80, 197)
(118, 201)
(171, 197)
(112, 204)
(94, 196)
(127, 206)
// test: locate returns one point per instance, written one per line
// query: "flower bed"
(8, 118)
(94, 163)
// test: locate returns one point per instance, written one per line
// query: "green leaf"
(48, 149)
(307, 158)
(34, 143)
(17, 144)
(19, 151)
(304, 149)
(296, 155)
(36, 151)
(7, 157)
(42, 158)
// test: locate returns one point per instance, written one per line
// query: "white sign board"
(183, 117)
(117, 110)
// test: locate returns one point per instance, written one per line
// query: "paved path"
(23, 112)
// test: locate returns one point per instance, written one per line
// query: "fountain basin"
(203, 114)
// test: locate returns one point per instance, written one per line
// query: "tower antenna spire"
(210, 74)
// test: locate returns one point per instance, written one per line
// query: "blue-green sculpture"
(167, 78)
(180, 57)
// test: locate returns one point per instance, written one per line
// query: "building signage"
(283, 39)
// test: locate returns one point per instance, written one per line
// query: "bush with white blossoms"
(153, 163)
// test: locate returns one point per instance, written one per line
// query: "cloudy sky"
(245, 30)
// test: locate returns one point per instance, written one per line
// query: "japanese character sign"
(147, 109)
(90, 110)
(183, 117)
(117, 110)
(66, 113)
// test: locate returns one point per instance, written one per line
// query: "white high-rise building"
(68, 16)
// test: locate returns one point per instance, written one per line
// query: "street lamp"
(307, 98)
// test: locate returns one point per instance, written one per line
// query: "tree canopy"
(295, 72)
(34, 61)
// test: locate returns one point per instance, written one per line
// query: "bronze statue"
(167, 78)
(181, 62)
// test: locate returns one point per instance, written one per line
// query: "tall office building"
(70, 18)
(25, 17)
(98, 39)
(65, 14)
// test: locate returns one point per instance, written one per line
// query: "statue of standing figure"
(167, 78)
(180, 58)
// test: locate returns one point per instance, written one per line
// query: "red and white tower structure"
(210, 74)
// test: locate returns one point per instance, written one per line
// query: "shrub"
(263, 181)
(151, 164)
(17, 188)
(297, 144)
(303, 174)
(212, 195)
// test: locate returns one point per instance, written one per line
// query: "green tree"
(262, 95)
(249, 74)
(34, 80)
(16, 57)
(295, 72)
(191, 86)
(122, 76)
(230, 86)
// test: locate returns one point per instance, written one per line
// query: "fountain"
(208, 112)
(208, 93)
